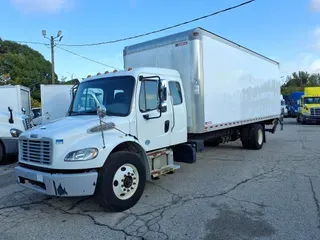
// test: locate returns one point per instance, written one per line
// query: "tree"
(297, 82)
(20, 64)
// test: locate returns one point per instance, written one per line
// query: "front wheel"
(121, 181)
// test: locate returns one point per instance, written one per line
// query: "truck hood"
(74, 125)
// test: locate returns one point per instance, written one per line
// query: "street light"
(52, 43)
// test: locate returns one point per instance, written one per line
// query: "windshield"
(312, 100)
(114, 93)
(36, 112)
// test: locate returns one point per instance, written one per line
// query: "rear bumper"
(62, 185)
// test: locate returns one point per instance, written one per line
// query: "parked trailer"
(126, 127)
(55, 101)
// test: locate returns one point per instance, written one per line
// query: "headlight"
(82, 155)
(15, 132)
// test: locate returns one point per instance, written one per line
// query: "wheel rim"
(125, 181)
(260, 136)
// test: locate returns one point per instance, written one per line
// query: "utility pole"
(52, 44)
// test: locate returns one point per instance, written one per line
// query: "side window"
(148, 99)
(176, 93)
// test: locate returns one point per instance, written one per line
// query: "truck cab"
(141, 113)
(309, 109)
(11, 126)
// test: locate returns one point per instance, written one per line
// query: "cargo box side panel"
(55, 101)
(9, 98)
(175, 56)
(238, 85)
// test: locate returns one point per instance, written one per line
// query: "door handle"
(166, 126)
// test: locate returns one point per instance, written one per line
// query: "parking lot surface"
(229, 193)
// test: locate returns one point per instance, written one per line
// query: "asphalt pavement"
(229, 193)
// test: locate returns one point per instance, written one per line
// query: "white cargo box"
(225, 84)
(16, 97)
(55, 101)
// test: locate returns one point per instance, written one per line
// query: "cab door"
(153, 123)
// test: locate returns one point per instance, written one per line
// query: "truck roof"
(135, 71)
(187, 36)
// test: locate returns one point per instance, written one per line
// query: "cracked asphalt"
(229, 193)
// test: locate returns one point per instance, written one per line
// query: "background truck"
(294, 103)
(284, 107)
(126, 127)
(309, 110)
(15, 107)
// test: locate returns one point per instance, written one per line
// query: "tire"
(244, 136)
(256, 136)
(212, 142)
(2, 152)
(110, 190)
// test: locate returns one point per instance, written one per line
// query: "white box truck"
(129, 126)
(15, 107)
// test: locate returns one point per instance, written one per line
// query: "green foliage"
(35, 103)
(20, 64)
(298, 80)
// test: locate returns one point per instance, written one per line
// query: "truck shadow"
(9, 160)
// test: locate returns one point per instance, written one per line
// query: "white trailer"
(126, 127)
(15, 107)
(55, 101)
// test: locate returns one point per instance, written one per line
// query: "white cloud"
(44, 6)
(315, 5)
(303, 62)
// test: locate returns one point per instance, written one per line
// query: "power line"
(76, 54)
(26, 42)
(159, 30)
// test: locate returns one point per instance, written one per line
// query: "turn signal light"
(106, 72)
(98, 74)
(88, 76)
(115, 70)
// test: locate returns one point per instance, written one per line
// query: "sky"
(285, 30)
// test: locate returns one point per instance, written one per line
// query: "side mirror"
(101, 111)
(23, 110)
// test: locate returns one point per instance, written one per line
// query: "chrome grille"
(27, 123)
(315, 111)
(36, 151)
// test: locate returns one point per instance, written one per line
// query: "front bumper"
(57, 184)
(310, 118)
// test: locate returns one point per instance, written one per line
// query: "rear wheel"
(252, 137)
(121, 181)
(256, 136)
